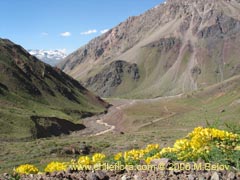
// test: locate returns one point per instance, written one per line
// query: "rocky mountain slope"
(176, 47)
(37, 100)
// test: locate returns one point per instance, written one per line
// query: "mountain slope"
(176, 47)
(37, 100)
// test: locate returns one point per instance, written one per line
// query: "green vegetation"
(30, 88)
(146, 121)
(209, 144)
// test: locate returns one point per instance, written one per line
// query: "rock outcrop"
(105, 82)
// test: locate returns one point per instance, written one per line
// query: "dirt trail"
(99, 125)
(114, 112)
(156, 120)
(110, 127)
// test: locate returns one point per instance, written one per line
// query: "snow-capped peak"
(51, 57)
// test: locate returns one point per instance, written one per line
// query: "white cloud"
(65, 34)
(64, 50)
(51, 57)
(44, 34)
(89, 32)
(104, 31)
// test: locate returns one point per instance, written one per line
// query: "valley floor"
(128, 124)
(113, 120)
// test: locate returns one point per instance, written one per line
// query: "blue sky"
(59, 24)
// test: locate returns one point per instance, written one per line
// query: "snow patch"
(51, 57)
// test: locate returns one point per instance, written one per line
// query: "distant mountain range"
(51, 57)
(175, 47)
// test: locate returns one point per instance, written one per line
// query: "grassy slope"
(219, 103)
(16, 112)
(29, 87)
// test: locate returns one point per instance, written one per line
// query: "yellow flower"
(197, 142)
(26, 169)
(167, 150)
(118, 156)
(149, 159)
(181, 144)
(84, 160)
(56, 166)
(98, 158)
(151, 147)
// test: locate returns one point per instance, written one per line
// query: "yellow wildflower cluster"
(56, 166)
(135, 155)
(151, 147)
(26, 169)
(97, 158)
(85, 160)
(196, 144)
(167, 150)
(150, 158)
(200, 140)
(118, 156)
